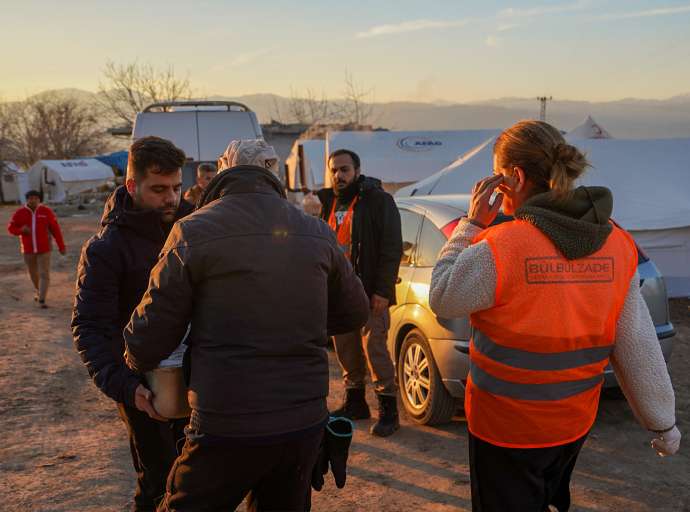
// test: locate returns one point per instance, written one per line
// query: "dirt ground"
(65, 449)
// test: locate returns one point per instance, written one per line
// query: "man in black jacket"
(113, 275)
(263, 285)
(367, 224)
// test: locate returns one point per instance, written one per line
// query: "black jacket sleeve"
(160, 321)
(96, 322)
(326, 198)
(348, 305)
(390, 247)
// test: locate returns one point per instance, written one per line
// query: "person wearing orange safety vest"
(367, 226)
(553, 297)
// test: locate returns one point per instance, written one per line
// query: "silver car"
(432, 353)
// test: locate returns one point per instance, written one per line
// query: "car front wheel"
(424, 396)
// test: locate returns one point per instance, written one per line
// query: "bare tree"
(297, 108)
(50, 126)
(6, 145)
(309, 108)
(319, 108)
(357, 107)
(277, 111)
(355, 110)
(128, 88)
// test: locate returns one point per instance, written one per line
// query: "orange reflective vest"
(537, 356)
(344, 230)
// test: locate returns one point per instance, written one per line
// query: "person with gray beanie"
(263, 285)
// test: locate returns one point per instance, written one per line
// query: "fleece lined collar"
(243, 179)
(578, 226)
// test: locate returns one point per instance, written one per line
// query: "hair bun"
(565, 153)
(572, 160)
(544, 155)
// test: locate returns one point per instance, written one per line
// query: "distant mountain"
(626, 118)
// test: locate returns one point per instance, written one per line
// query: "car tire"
(424, 396)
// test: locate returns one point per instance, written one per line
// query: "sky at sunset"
(457, 51)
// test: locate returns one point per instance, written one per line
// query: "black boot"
(388, 421)
(354, 406)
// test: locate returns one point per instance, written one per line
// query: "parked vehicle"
(202, 129)
(433, 352)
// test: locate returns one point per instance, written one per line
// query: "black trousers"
(216, 474)
(521, 480)
(154, 449)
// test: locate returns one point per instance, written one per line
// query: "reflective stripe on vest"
(537, 357)
(554, 391)
(539, 360)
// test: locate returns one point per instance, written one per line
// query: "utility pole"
(542, 111)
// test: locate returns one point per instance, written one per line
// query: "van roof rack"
(167, 106)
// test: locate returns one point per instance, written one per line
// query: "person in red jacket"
(33, 223)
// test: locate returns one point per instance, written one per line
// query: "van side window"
(410, 229)
(431, 241)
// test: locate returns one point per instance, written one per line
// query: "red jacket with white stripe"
(41, 223)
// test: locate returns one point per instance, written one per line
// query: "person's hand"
(63, 251)
(378, 304)
(311, 204)
(143, 400)
(26, 230)
(481, 211)
(667, 443)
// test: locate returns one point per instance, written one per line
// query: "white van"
(202, 129)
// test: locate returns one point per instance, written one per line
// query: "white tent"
(589, 129)
(14, 183)
(306, 164)
(403, 157)
(59, 179)
(459, 177)
(650, 180)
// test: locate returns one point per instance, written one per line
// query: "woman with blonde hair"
(553, 297)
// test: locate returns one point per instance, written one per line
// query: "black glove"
(321, 466)
(334, 451)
